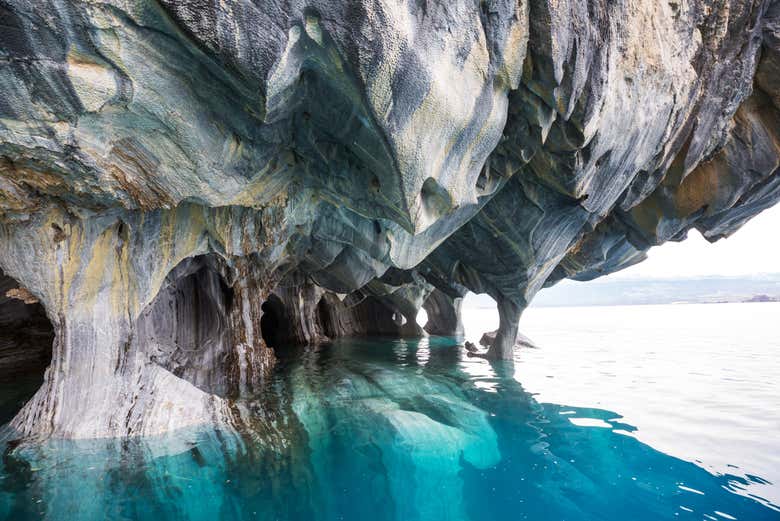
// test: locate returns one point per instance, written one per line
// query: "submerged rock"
(172, 173)
(489, 338)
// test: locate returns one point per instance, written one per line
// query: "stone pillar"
(112, 372)
(506, 337)
(444, 314)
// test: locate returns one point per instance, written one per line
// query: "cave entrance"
(422, 318)
(324, 317)
(185, 329)
(328, 317)
(26, 338)
(272, 322)
(480, 316)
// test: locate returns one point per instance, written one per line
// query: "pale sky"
(753, 249)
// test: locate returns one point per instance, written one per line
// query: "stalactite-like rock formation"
(187, 185)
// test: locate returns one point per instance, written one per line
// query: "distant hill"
(613, 292)
(628, 291)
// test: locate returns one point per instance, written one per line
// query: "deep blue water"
(381, 429)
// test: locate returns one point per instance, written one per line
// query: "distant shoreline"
(634, 292)
(678, 303)
(548, 306)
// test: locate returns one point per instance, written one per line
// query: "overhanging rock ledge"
(184, 184)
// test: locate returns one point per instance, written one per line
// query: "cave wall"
(166, 167)
(197, 329)
(96, 280)
(369, 317)
(305, 314)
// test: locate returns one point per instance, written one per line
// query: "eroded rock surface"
(181, 181)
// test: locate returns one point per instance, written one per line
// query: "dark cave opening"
(26, 338)
(326, 318)
(186, 328)
(272, 321)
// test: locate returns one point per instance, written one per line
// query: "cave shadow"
(26, 340)
(185, 328)
(272, 323)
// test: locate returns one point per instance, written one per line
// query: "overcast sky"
(754, 248)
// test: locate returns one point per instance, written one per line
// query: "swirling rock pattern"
(173, 171)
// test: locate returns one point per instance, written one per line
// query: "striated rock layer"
(187, 187)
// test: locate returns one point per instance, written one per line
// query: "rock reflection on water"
(376, 430)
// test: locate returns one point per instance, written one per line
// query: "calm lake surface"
(624, 413)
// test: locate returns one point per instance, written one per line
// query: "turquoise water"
(607, 421)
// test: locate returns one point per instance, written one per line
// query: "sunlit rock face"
(184, 184)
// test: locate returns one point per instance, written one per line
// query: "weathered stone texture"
(172, 170)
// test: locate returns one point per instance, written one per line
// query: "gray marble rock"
(174, 172)
(489, 338)
(444, 314)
